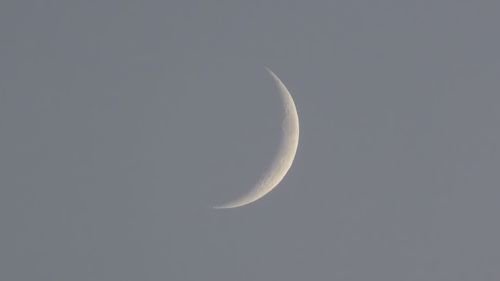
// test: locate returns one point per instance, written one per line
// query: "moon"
(284, 157)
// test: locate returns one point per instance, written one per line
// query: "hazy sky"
(123, 122)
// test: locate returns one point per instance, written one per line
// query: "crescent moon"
(285, 155)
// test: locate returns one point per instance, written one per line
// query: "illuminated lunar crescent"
(284, 157)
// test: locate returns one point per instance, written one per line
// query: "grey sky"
(123, 122)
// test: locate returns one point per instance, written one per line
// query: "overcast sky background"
(123, 122)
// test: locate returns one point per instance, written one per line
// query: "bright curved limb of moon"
(284, 157)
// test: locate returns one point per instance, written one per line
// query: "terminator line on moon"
(284, 157)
